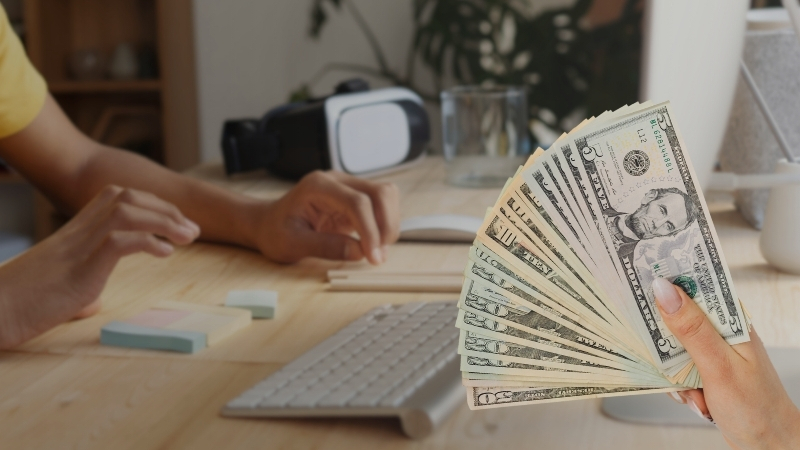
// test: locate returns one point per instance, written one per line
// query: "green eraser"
(122, 334)
(263, 304)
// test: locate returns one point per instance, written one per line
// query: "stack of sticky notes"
(263, 304)
(175, 326)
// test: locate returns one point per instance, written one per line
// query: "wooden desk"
(64, 390)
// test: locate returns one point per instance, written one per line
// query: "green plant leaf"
(319, 17)
(564, 67)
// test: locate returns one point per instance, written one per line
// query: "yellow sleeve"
(22, 88)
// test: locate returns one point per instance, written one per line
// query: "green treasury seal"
(686, 283)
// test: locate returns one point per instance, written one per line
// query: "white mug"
(780, 237)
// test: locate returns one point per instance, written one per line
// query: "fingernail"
(666, 295)
(676, 397)
(377, 255)
(697, 411)
(188, 231)
(195, 227)
(351, 249)
(166, 246)
(385, 252)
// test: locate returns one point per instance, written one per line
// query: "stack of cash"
(557, 302)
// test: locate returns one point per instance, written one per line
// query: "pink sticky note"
(157, 318)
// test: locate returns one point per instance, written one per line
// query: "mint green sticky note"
(263, 304)
(122, 334)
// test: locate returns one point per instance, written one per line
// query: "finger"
(149, 201)
(327, 246)
(114, 246)
(89, 310)
(385, 202)
(335, 224)
(689, 324)
(127, 217)
(696, 401)
(677, 397)
(118, 244)
(357, 206)
(753, 351)
(105, 197)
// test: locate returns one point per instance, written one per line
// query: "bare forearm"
(223, 216)
(70, 169)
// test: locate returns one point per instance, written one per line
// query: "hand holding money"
(742, 393)
(557, 301)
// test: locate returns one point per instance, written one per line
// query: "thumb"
(329, 246)
(691, 326)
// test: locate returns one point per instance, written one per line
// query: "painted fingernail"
(697, 411)
(666, 295)
(377, 256)
(676, 397)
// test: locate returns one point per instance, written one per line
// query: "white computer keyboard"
(395, 360)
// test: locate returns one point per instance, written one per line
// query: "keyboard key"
(387, 380)
(410, 308)
(334, 379)
(296, 386)
(278, 400)
(398, 316)
(363, 401)
(244, 403)
(409, 324)
(354, 330)
(328, 363)
(354, 385)
(396, 396)
(309, 399)
(389, 323)
(342, 354)
(307, 360)
(336, 398)
(256, 393)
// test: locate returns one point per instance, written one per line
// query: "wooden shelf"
(154, 116)
(111, 86)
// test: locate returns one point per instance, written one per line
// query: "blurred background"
(159, 77)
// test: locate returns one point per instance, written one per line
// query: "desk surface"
(64, 390)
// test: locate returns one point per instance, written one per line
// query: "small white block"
(263, 304)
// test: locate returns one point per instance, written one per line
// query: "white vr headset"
(356, 130)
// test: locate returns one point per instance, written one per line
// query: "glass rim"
(497, 91)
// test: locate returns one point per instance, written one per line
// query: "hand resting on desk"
(62, 277)
(741, 392)
(317, 217)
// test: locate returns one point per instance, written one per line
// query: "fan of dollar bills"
(557, 301)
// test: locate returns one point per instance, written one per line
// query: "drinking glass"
(485, 134)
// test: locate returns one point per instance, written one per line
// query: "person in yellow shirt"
(123, 204)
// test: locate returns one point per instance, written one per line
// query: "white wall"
(252, 53)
